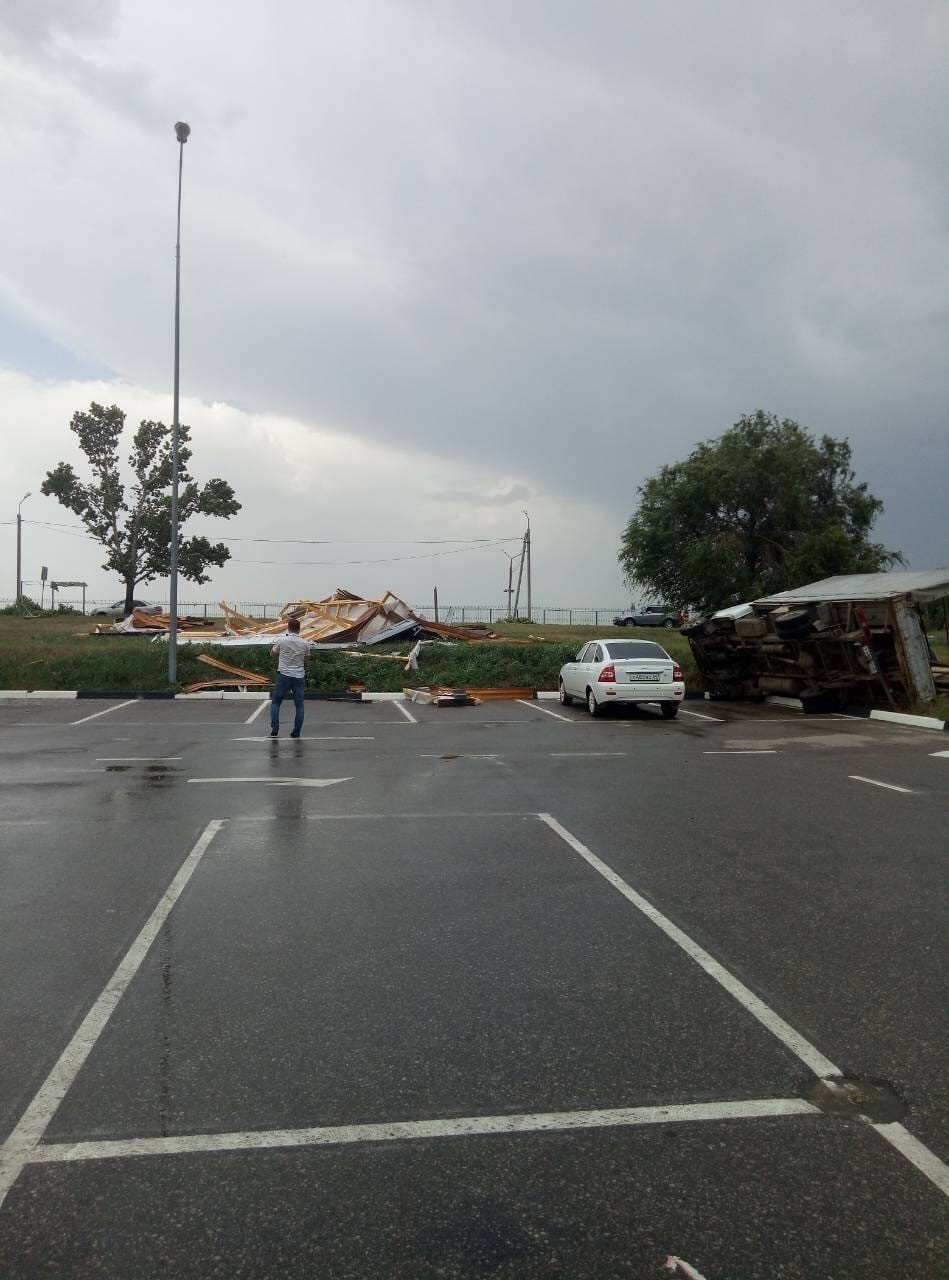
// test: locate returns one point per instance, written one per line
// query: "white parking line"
(133, 759)
(939, 753)
(740, 752)
(399, 1130)
(855, 777)
(895, 1134)
(563, 755)
(95, 715)
(405, 711)
(339, 737)
(532, 706)
(256, 712)
(22, 1142)
(699, 716)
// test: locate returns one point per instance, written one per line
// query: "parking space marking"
(96, 714)
(895, 1134)
(339, 737)
(405, 711)
(280, 782)
(134, 759)
(855, 777)
(699, 716)
(801, 1048)
(740, 751)
(29, 1130)
(556, 714)
(570, 754)
(939, 753)
(256, 712)
(399, 1130)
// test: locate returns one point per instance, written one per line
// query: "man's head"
(293, 626)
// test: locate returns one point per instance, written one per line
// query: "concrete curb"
(914, 722)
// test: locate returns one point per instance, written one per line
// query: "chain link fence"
(454, 614)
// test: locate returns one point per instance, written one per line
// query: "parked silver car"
(116, 610)
(650, 615)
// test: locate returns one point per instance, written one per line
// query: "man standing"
(291, 651)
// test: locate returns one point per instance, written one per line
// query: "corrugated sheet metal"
(923, 584)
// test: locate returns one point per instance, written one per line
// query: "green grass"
(59, 653)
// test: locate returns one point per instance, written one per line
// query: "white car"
(611, 671)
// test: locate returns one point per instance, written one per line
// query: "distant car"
(117, 610)
(651, 615)
(612, 671)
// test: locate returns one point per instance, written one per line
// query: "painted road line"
(95, 715)
(133, 759)
(855, 777)
(400, 706)
(919, 1155)
(534, 707)
(256, 712)
(699, 716)
(769, 752)
(22, 1142)
(399, 1130)
(800, 1047)
(280, 782)
(567, 755)
(939, 753)
(339, 737)
(925, 1160)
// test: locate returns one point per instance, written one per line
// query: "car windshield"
(636, 649)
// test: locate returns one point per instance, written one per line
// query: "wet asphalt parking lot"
(489, 991)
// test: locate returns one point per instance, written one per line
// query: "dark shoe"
(294, 735)
(274, 732)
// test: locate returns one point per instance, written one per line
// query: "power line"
(58, 526)
(425, 555)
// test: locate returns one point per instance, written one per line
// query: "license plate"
(645, 677)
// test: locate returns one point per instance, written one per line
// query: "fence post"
(462, 613)
(570, 611)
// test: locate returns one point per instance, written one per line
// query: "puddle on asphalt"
(848, 1098)
(155, 775)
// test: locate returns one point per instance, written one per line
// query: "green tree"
(136, 529)
(764, 508)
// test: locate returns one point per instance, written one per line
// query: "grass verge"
(59, 653)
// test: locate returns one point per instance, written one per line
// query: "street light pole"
(527, 548)
(19, 549)
(181, 133)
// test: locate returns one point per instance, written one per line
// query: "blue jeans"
(283, 685)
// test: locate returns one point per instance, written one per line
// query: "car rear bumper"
(641, 693)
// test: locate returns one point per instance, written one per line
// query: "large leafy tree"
(134, 523)
(764, 508)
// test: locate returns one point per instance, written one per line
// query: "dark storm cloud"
(564, 241)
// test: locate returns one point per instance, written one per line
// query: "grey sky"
(550, 245)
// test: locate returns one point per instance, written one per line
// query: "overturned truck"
(854, 640)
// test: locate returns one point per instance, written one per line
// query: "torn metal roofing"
(922, 584)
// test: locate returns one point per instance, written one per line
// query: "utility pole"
(182, 131)
(527, 548)
(520, 575)
(19, 550)
(510, 580)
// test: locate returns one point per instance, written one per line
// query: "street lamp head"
(182, 131)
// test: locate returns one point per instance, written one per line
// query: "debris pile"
(856, 639)
(344, 619)
(150, 621)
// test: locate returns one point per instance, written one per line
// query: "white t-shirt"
(291, 652)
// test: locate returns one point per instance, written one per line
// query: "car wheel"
(670, 710)
(668, 624)
(565, 698)
(629, 622)
(593, 706)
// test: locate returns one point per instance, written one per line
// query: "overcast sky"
(445, 261)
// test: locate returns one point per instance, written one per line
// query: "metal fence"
(456, 614)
